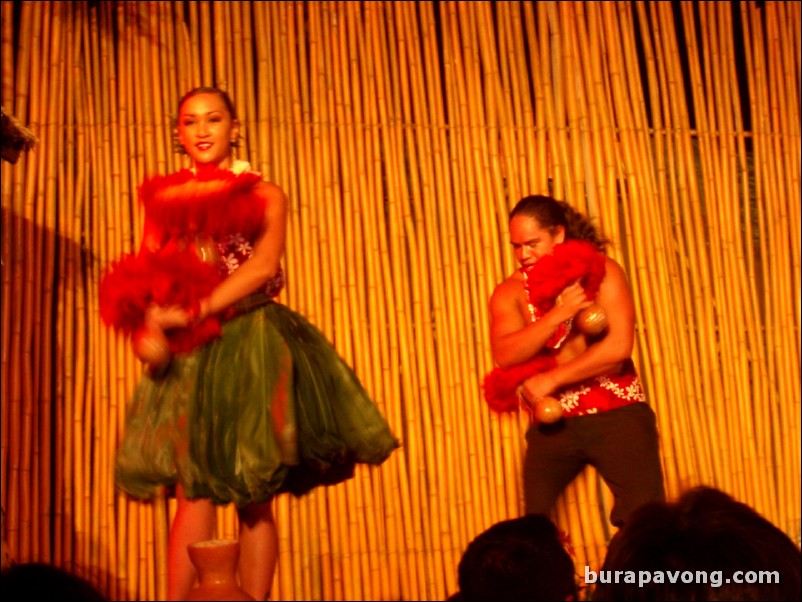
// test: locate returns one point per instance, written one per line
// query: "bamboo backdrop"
(402, 133)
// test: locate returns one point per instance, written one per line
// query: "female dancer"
(243, 398)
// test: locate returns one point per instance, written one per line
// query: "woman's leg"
(194, 521)
(258, 539)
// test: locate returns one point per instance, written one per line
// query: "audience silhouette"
(40, 581)
(704, 546)
(523, 558)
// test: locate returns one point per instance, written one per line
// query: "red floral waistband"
(601, 393)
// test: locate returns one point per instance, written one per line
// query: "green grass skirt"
(269, 407)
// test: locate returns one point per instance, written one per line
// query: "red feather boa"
(133, 283)
(571, 261)
(214, 202)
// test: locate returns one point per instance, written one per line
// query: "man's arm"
(514, 338)
(605, 354)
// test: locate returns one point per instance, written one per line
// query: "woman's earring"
(179, 148)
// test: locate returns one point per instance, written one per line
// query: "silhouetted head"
(40, 581)
(517, 559)
(708, 539)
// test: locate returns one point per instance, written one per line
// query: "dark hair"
(704, 533)
(551, 214)
(517, 559)
(194, 92)
(209, 90)
(40, 581)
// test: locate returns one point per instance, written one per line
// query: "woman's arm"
(152, 237)
(265, 261)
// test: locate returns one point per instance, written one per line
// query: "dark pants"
(622, 445)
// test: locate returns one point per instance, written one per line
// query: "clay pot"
(216, 562)
(548, 410)
(592, 320)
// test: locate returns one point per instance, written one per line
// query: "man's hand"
(572, 300)
(538, 386)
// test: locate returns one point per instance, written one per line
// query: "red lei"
(211, 203)
(571, 261)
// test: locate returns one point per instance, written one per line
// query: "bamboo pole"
(7, 99)
(57, 89)
(21, 435)
(39, 121)
(73, 495)
(64, 308)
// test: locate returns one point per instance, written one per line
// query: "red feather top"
(213, 203)
(571, 261)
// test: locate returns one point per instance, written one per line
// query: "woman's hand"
(165, 318)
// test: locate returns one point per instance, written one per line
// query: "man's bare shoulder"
(614, 273)
(511, 290)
